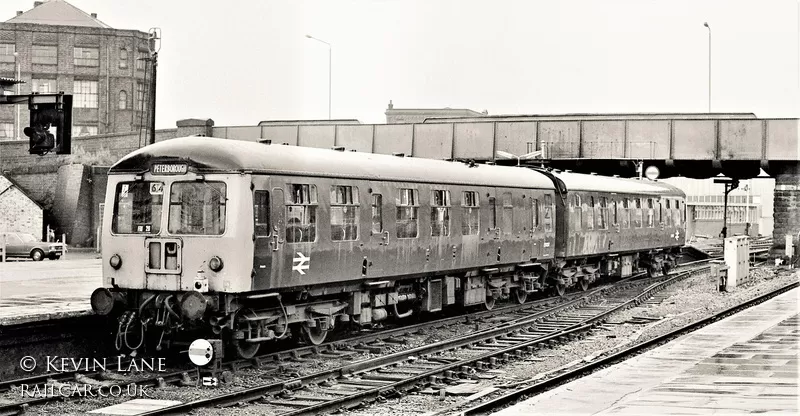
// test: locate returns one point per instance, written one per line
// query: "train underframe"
(246, 321)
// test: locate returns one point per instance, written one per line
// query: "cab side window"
(261, 213)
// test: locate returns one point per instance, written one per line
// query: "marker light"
(215, 264)
(115, 261)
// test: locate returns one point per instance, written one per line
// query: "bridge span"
(691, 145)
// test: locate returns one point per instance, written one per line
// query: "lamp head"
(706, 25)
(309, 36)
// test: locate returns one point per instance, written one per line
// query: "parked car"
(26, 245)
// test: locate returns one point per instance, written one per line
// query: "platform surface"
(744, 364)
(36, 291)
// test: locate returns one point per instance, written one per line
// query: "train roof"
(583, 182)
(206, 154)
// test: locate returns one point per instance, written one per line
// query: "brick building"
(419, 115)
(20, 213)
(57, 47)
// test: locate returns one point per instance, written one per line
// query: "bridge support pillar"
(787, 206)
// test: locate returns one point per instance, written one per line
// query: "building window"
(344, 213)
(301, 214)
(43, 86)
(87, 56)
(123, 58)
(78, 131)
(85, 94)
(141, 61)
(123, 100)
(140, 96)
(44, 55)
(377, 213)
(407, 210)
(471, 219)
(7, 52)
(6, 131)
(440, 213)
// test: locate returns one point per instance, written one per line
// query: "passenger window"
(407, 213)
(508, 213)
(626, 213)
(615, 214)
(650, 213)
(590, 214)
(548, 213)
(301, 214)
(578, 213)
(377, 214)
(471, 219)
(601, 220)
(492, 213)
(637, 219)
(261, 212)
(440, 213)
(344, 213)
(535, 212)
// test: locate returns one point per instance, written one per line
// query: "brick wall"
(20, 213)
(787, 205)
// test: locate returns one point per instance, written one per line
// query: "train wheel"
(560, 289)
(520, 295)
(584, 284)
(489, 301)
(240, 347)
(314, 336)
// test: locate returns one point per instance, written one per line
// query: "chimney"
(94, 15)
(37, 3)
(391, 106)
(19, 12)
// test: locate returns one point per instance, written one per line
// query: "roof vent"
(19, 12)
(94, 15)
(265, 141)
(398, 154)
(352, 150)
(37, 3)
(338, 148)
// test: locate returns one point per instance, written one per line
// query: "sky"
(243, 61)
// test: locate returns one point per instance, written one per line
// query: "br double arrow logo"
(301, 263)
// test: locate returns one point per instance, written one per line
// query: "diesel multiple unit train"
(253, 242)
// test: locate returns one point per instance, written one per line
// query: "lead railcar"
(255, 242)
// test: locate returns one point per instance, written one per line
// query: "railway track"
(495, 403)
(371, 342)
(394, 374)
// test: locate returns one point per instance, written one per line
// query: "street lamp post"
(709, 65)
(329, 71)
(18, 117)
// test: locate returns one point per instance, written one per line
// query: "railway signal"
(50, 126)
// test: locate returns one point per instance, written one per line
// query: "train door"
(277, 240)
(379, 235)
(537, 230)
(548, 226)
(263, 235)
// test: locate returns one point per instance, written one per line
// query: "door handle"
(385, 238)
